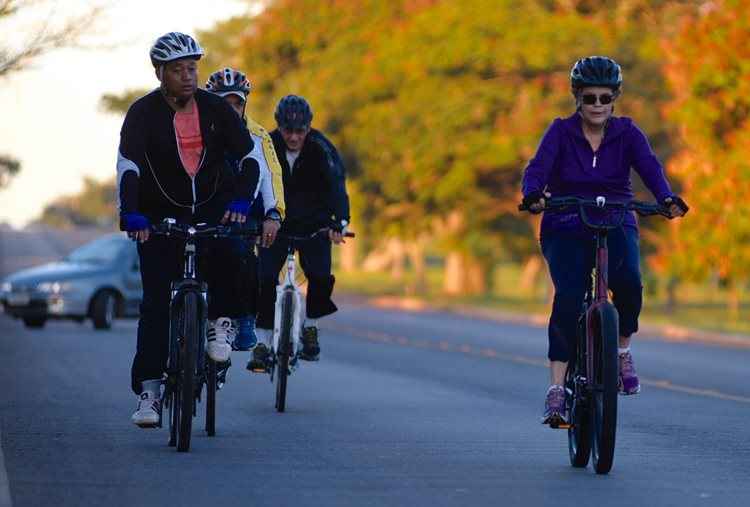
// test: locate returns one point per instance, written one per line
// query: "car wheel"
(34, 322)
(103, 310)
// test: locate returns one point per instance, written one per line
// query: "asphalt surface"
(403, 409)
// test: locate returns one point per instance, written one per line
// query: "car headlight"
(52, 287)
(6, 287)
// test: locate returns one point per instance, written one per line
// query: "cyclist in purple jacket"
(590, 154)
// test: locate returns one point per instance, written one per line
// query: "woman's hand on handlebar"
(677, 207)
(137, 225)
(535, 201)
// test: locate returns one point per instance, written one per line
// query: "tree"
(94, 205)
(45, 39)
(707, 69)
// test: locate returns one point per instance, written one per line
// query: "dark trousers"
(570, 258)
(246, 285)
(315, 259)
(162, 263)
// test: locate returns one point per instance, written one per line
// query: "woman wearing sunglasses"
(590, 154)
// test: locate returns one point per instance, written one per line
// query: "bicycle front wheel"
(604, 396)
(285, 348)
(578, 402)
(188, 351)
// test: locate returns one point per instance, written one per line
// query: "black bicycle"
(188, 366)
(591, 381)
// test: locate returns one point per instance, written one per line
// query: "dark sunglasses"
(590, 98)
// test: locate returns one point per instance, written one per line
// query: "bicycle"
(188, 366)
(591, 380)
(288, 317)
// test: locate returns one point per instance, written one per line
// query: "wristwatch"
(273, 214)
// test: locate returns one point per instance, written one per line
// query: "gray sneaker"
(554, 407)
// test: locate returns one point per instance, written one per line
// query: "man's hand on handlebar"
(270, 229)
(236, 211)
(137, 225)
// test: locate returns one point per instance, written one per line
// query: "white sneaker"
(220, 335)
(147, 413)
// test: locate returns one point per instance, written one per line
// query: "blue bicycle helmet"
(596, 71)
(293, 112)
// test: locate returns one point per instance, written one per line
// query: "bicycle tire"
(210, 397)
(285, 346)
(171, 391)
(579, 407)
(190, 336)
(604, 400)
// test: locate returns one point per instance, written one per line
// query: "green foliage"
(94, 205)
(119, 104)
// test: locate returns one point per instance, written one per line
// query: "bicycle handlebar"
(186, 231)
(308, 237)
(640, 207)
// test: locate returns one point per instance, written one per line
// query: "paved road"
(404, 409)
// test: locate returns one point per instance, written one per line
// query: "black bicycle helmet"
(173, 46)
(293, 112)
(228, 82)
(596, 71)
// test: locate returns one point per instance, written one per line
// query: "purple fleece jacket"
(565, 164)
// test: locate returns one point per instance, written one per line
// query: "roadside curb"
(5, 499)
(656, 332)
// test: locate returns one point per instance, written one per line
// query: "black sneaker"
(259, 362)
(310, 345)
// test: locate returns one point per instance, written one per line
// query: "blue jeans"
(570, 258)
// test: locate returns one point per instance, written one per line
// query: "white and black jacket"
(150, 175)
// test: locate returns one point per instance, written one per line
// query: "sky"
(50, 118)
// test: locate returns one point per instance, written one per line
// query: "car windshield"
(101, 251)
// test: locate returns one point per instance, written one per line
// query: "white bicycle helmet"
(228, 82)
(173, 46)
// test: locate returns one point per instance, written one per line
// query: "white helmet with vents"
(173, 46)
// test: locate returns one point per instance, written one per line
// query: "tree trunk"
(530, 272)
(463, 275)
(348, 256)
(733, 302)
(415, 251)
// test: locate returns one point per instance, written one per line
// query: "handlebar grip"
(350, 235)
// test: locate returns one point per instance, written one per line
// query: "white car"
(100, 280)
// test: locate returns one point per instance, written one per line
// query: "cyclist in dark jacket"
(171, 165)
(315, 197)
(590, 154)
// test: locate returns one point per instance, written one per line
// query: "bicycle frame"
(289, 284)
(598, 297)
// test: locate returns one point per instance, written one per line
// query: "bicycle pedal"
(563, 426)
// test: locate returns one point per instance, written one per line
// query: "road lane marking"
(489, 353)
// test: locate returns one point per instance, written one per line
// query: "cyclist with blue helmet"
(590, 154)
(315, 197)
(268, 208)
(171, 165)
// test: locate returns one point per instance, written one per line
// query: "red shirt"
(187, 128)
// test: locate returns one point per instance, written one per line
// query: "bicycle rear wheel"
(285, 347)
(578, 403)
(210, 397)
(604, 397)
(190, 336)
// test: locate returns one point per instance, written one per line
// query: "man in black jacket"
(316, 198)
(171, 164)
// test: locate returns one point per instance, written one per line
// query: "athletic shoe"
(554, 407)
(220, 335)
(310, 345)
(629, 383)
(147, 413)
